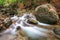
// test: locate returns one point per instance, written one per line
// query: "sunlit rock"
(5, 22)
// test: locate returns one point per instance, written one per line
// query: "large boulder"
(46, 13)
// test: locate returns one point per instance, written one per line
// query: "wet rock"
(56, 31)
(46, 13)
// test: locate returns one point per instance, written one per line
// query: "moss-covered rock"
(46, 13)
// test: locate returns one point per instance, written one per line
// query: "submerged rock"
(46, 13)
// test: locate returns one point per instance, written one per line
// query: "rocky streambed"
(6, 22)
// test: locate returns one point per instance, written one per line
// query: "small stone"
(32, 21)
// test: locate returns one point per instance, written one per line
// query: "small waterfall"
(30, 30)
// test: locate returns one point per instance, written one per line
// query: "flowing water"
(30, 30)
